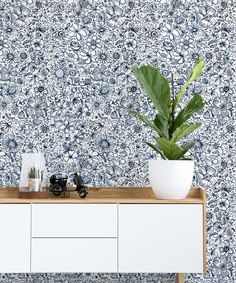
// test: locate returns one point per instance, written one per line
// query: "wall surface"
(65, 87)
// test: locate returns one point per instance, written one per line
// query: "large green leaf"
(196, 72)
(183, 131)
(155, 148)
(170, 149)
(156, 86)
(162, 125)
(194, 105)
(187, 146)
(144, 120)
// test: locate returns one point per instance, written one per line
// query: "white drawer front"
(161, 238)
(74, 220)
(74, 255)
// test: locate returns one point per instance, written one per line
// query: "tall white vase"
(171, 179)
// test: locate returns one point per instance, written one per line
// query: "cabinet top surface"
(98, 195)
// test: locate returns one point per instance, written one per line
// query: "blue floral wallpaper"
(66, 85)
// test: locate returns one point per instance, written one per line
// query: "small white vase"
(34, 184)
(171, 179)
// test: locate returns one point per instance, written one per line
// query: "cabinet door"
(14, 238)
(160, 238)
(74, 255)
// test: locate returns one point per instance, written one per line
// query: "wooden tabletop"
(131, 195)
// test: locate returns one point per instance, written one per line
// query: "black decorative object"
(80, 188)
(58, 185)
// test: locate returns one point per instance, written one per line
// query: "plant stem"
(172, 115)
(173, 95)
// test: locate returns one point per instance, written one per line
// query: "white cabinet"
(129, 232)
(160, 238)
(74, 255)
(14, 238)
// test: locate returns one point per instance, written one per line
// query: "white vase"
(171, 179)
(34, 184)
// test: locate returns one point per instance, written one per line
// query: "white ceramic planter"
(171, 179)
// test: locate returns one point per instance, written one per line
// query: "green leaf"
(194, 105)
(156, 87)
(196, 72)
(162, 125)
(155, 148)
(170, 149)
(144, 120)
(180, 94)
(187, 146)
(183, 131)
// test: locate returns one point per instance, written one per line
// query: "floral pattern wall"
(66, 85)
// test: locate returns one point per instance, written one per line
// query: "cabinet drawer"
(74, 220)
(74, 255)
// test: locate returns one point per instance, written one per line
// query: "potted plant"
(35, 179)
(171, 177)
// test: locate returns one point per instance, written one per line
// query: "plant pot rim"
(168, 160)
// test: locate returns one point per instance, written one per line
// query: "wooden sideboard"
(112, 230)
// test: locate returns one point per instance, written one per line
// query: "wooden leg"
(180, 278)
